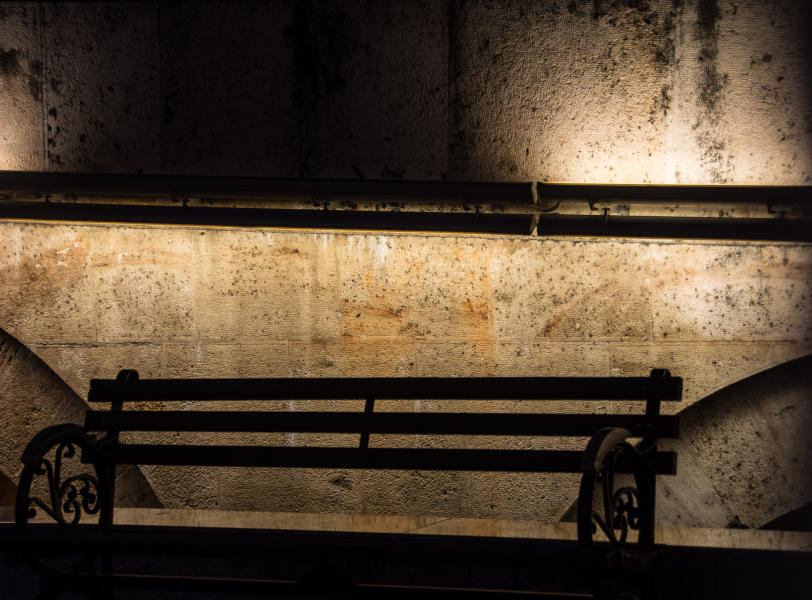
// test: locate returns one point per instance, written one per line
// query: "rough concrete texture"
(668, 92)
(21, 114)
(101, 87)
(671, 91)
(375, 76)
(693, 91)
(744, 452)
(32, 397)
(192, 302)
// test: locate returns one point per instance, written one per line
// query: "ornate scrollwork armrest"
(69, 498)
(621, 510)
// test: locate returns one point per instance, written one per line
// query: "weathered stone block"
(144, 302)
(226, 360)
(731, 292)
(47, 291)
(424, 287)
(325, 490)
(570, 290)
(254, 285)
(367, 357)
(77, 364)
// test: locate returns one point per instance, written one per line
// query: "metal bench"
(624, 515)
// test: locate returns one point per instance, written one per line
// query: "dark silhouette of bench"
(623, 513)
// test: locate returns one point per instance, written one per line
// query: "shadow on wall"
(744, 453)
(33, 397)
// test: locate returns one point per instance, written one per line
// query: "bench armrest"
(69, 498)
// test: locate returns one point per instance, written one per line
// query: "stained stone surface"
(690, 91)
(101, 87)
(221, 302)
(33, 397)
(744, 453)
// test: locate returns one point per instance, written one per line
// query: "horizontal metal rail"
(471, 388)
(165, 191)
(182, 186)
(678, 194)
(788, 230)
(429, 459)
(462, 222)
(381, 423)
(185, 186)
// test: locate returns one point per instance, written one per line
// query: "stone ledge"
(751, 539)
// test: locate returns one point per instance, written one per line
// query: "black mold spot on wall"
(662, 103)
(341, 481)
(711, 82)
(715, 156)
(9, 63)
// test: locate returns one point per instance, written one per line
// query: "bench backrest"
(127, 388)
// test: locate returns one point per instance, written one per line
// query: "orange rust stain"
(378, 312)
(478, 311)
(551, 324)
(40, 276)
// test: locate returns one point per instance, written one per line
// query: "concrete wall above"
(668, 91)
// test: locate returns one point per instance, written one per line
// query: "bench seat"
(623, 515)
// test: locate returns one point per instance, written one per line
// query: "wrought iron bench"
(624, 515)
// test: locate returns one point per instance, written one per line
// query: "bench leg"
(627, 565)
(50, 484)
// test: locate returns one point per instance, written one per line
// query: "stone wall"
(744, 452)
(33, 397)
(223, 302)
(669, 91)
(693, 91)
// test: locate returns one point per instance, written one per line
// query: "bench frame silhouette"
(619, 510)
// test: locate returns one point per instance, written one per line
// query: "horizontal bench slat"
(429, 459)
(358, 422)
(474, 388)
